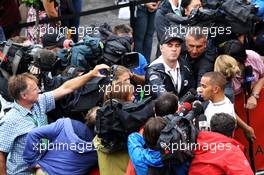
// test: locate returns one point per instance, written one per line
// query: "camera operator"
(126, 30)
(169, 72)
(200, 53)
(28, 112)
(178, 8)
(217, 152)
(116, 161)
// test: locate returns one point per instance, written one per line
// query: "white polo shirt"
(223, 106)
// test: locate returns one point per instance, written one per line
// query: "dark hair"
(223, 123)
(152, 131)
(216, 78)
(235, 49)
(166, 104)
(185, 3)
(18, 84)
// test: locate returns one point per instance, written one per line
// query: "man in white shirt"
(212, 89)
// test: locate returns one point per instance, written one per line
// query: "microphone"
(189, 97)
(197, 109)
(248, 78)
(184, 109)
(202, 123)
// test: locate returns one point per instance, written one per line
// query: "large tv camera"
(237, 16)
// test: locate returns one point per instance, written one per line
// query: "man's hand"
(77, 82)
(151, 6)
(250, 134)
(96, 71)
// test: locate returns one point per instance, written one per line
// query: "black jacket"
(159, 81)
(161, 22)
(202, 64)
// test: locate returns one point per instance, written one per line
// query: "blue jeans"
(143, 32)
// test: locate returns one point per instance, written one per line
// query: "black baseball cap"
(170, 36)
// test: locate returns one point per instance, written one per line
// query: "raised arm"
(75, 83)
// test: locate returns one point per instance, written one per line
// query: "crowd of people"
(101, 105)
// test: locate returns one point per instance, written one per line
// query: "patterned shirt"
(14, 127)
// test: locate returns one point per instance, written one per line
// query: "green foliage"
(33, 2)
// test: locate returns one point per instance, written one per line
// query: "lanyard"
(36, 123)
(44, 140)
(176, 83)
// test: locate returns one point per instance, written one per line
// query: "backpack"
(87, 54)
(115, 122)
(17, 58)
(178, 133)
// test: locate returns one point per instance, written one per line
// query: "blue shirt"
(142, 157)
(14, 127)
(69, 151)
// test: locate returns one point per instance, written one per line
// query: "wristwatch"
(255, 95)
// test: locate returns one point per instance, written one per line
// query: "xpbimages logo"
(77, 147)
(170, 148)
(82, 30)
(212, 31)
(147, 89)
